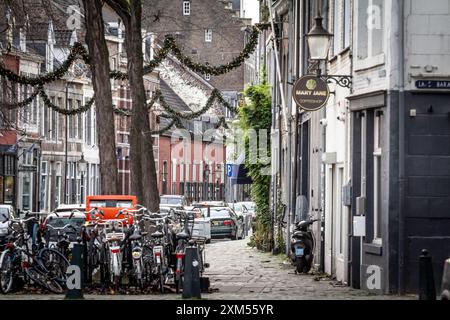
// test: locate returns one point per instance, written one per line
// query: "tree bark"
(143, 171)
(98, 51)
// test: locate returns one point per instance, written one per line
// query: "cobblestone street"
(240, 272)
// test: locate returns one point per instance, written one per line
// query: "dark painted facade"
(415, 189)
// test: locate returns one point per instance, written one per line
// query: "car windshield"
(111, 204)
(175, 201)
(61, 222)
(220, 213)
(237, 207)
(250, 206)
(4, 214)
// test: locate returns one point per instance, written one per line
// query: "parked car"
(62, 216)
(241, 210)
(202, 225)
(224, 223)
(251, 207)
(170, 203)
(6, 212)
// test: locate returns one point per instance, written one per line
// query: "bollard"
(74, 282)
(445, 287)
(191, 282)
(427, 289)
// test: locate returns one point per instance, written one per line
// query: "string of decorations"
(23, 103)
(67, 112)
(222, 69)
(169, 45)
(77, 51)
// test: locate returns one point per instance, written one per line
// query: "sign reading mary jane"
(310, 92)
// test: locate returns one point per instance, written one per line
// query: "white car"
(202, 225)
(72, 214)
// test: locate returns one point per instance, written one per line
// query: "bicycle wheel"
(54, 263)
(6, 272)
(43, 280)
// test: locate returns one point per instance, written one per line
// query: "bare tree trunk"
(143, 171)
(98, 51)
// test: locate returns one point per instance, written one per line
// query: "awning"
(239, 174)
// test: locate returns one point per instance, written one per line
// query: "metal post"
(191, 283)
(75, 279)
(427, 289)
(66, 195)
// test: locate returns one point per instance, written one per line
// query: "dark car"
(224, 223)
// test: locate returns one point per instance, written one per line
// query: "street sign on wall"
(433, 84)
(310, 92)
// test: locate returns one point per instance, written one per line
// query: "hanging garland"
(222, 69)
(23, 103)
(66, 112)
(169, 45)
(77, 51)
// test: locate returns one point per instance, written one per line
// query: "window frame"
(208, 35)
(186, 8)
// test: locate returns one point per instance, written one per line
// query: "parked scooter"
(302, 246)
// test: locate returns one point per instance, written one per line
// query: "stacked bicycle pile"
(137, 249)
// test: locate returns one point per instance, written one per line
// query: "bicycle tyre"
(6, 272)
(43, 280)
(54, 263)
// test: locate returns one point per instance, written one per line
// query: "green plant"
(255, 114)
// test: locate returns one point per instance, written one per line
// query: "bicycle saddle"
(182, 235)
(135, 237)
(157, 234)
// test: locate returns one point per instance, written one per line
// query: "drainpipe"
(287, 124)
(401, 143)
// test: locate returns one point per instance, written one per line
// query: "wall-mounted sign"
(433, 84)
(27, 168)
(310, 92)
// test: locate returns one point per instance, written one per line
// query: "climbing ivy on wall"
(255, 113)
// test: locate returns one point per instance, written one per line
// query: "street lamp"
(82, 167)
(319, 41)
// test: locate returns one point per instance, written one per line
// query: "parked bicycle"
(19, 263)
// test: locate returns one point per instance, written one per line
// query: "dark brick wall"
(427, 194)
(163, 17)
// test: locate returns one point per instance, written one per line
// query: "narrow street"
(239, 272)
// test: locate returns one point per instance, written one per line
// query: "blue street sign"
(229, 170)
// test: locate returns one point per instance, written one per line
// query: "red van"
(110, 205)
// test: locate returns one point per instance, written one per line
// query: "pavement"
(239, 272)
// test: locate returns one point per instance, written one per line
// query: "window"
(347, 22)
(336, 29)
(43, 185)
(369, 29)
(79, 125)
(377, 177)
(208, 35)
(58, 184)
(70, 119)
(186, 8)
